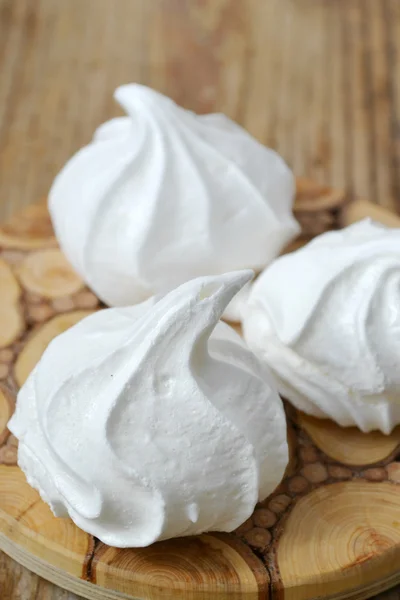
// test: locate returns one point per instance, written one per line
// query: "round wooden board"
(331, 529)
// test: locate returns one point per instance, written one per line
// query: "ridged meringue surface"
(153, 421)
(326, 319)
(163, 195)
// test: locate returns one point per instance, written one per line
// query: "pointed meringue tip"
(130, 88)
(238, 278)
(225, 286)
(128, 93)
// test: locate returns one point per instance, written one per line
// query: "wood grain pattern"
(319, 81)
(28, 229)
(213, 565)
(48, 274)
(349, 445)
(57, 541)
(322, 531)
(10, 312)
(339, 529)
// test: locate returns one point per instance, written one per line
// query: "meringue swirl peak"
(163, 195)
(153, 421)
(326, 319)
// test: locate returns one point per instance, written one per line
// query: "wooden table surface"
(318, 80)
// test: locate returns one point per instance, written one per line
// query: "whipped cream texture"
(153, 421)
(163, 195)
(326, 319)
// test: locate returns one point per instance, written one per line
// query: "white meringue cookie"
(326, 319)
(164, 195)
(153, 421)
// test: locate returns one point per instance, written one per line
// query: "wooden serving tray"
(331, 529)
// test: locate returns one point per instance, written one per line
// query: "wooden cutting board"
(331, 529)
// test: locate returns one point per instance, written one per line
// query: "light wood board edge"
(95, 592)
(68, 582)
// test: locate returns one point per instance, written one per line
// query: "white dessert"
(164, 195)
(327, 320)
(153, 421)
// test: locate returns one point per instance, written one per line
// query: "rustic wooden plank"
(338, 115)
(392, 20)
(17, 583)
(380, 74)
(319, 81)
